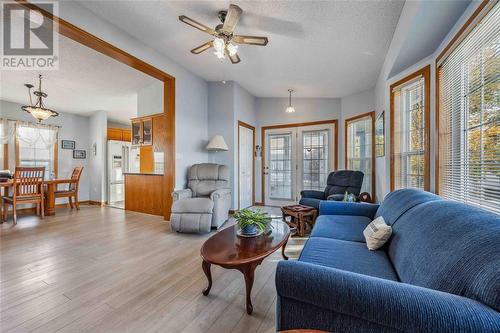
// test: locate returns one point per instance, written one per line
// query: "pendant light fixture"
(38, 110)
(290, 108)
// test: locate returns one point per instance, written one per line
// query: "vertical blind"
(469, 117)
(359, 150)
(409, 127)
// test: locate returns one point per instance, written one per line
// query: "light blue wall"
(191, 114)
(72, 127)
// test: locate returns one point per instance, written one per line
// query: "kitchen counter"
(144, 192)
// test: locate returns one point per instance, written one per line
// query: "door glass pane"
(315, 159)
(280, 162)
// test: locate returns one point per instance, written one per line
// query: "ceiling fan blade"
(234, 59)
(252, 40)
(197, 25)
(203, 47)
(232, 18)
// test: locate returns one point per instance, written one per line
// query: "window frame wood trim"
(481, 11)
(370, 114)
(5, 156)
(263, 130)
(425, 72)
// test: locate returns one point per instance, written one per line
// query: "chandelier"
(38, 110)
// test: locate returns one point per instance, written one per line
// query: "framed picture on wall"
(79, 154)
(68, 144)
(380, 135)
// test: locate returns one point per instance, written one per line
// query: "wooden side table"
(300, 216)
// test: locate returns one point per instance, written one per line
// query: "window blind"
(409, 134)
(359, 150)
(469, 117)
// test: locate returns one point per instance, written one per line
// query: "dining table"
(50, 190)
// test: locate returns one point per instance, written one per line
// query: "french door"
(297, 158)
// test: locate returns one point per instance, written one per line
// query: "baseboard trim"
(258, 204)
(60, 205)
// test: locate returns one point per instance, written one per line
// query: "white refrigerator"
(122, 157)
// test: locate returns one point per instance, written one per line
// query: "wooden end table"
(300, 216)
(231, 251)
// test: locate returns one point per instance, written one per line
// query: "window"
(360, 148)
(315, 163)
(469, 114)
(5, 134)
(410, 131)
(36, 145)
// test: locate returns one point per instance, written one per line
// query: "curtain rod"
(9, 119)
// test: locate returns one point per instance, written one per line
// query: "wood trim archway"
(335, 122)
(83, 37)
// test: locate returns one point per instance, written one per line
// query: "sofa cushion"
(193, 205)
(311, 202)
(344, 227)
(398, 202)
(451, 247)
(348, 256)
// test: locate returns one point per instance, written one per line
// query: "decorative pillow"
(377, 233)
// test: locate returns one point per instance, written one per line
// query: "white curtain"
(44, 136)
(6, 130)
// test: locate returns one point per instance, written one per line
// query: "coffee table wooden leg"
(206, 268)
(283, 251)
(249, 272)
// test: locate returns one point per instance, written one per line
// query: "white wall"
(190, 93)
(72, 127)
(97, 159)
(351, 106)
(150, 99)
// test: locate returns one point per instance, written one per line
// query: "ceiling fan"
(224, 40)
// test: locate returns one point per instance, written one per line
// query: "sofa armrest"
(312, 194)
(182, 194)
(388, 303)
(220, 194)
(347, 208)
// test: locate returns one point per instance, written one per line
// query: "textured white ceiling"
(86, 81)
(318, 48)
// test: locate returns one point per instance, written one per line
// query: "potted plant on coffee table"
(252, 223)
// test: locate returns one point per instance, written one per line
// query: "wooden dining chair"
(27, 187)
(72, 192)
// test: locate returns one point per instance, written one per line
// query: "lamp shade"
(217, 143)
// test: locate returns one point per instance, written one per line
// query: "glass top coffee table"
(231, 251)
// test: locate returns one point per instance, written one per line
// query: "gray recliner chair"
(206, 201)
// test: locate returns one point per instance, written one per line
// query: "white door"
(245, 166)
(297, 158)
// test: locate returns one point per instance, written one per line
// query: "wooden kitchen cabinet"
(119, 134)
(142, 131)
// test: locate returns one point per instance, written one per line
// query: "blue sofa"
(439, 272)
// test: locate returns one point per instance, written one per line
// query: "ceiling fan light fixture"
(219, 46)
(232, 49)
(290, 108)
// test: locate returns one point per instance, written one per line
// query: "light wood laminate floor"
(108, 270)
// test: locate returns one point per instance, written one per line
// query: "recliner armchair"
(338, 183)
(206, 201)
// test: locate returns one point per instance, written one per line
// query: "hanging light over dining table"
(38, 110)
